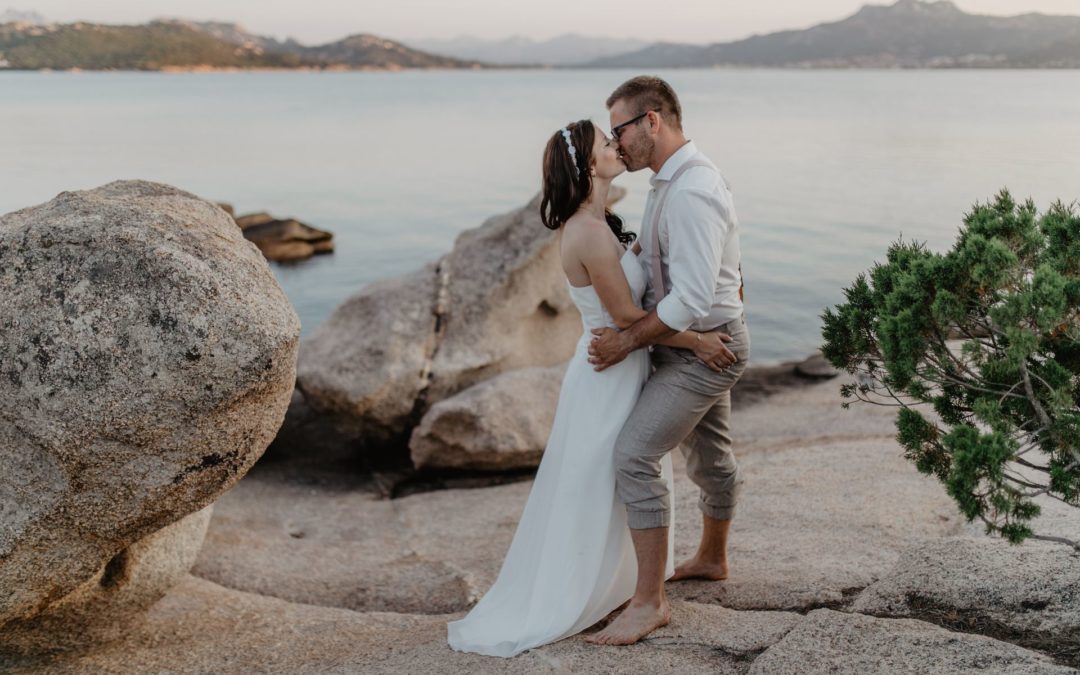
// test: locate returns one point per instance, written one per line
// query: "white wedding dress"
(571, 561)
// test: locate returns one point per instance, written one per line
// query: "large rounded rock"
(507, 305)
(497, 302)
(362, 368)
(147, 360)
(502, 423)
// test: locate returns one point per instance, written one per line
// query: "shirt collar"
(677, 159)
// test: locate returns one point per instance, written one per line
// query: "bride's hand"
(710, 348)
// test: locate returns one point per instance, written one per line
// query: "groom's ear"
(654, 121)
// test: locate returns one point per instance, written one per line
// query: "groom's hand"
(607, 348)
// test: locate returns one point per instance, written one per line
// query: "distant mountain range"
(909, 34)
(564, 50)
(360, 50)
(175, 44)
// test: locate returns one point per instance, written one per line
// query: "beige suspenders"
(659, 292)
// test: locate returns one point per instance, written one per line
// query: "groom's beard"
(636, 155)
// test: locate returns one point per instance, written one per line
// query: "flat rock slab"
(835, 643)
(1030, 591)
(812, 530)
(201, 627)
(797, 415)
(700, 638)
(340, 547)
(326, 547)
(740, 634)
(816, 524)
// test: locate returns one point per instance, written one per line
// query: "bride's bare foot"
(695, 568)
(634, 623)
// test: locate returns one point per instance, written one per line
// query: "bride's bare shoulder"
(585, 229)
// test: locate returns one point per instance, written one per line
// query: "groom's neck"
(666, 146)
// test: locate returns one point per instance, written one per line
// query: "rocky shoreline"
(403, 476)
(845, 560)
(149, 357)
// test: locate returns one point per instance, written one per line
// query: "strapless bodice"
(593, 314)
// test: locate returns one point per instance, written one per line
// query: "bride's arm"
(593, 248)
(601, 262)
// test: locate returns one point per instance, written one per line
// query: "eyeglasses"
(616, 131)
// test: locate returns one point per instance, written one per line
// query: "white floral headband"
(571, 149)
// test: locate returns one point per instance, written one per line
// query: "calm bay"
(827, 167)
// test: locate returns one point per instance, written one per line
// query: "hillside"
(150, 47)
(568, 49)
(373, 51)
(180, 44)
(909, 33)
(361, 50)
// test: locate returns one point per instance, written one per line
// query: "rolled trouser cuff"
(717, 512)
(647, 520)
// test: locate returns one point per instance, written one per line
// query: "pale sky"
(319, 21)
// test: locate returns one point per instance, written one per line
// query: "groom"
(690, 247)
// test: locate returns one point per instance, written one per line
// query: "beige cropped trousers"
(684, 403)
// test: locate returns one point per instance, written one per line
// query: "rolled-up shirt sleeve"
(697, 226)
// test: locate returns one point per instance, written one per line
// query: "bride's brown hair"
(566, 186)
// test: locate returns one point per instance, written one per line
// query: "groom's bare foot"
(695, 568)
(634, 623)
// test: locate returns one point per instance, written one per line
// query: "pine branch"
(1057, 540)
(1039, 411)
(1024, 462)
(1020, 481)
(952, 380)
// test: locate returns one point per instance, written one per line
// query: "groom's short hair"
(646, 92)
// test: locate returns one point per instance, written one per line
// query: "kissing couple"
(664, 341)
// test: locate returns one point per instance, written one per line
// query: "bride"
(571, 561)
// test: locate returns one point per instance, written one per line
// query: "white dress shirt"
(699, 245)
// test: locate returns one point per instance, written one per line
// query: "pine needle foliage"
(979, 348)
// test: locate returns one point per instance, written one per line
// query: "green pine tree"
(980, 350)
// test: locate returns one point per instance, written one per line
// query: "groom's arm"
(610, 346)
(698, 222)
